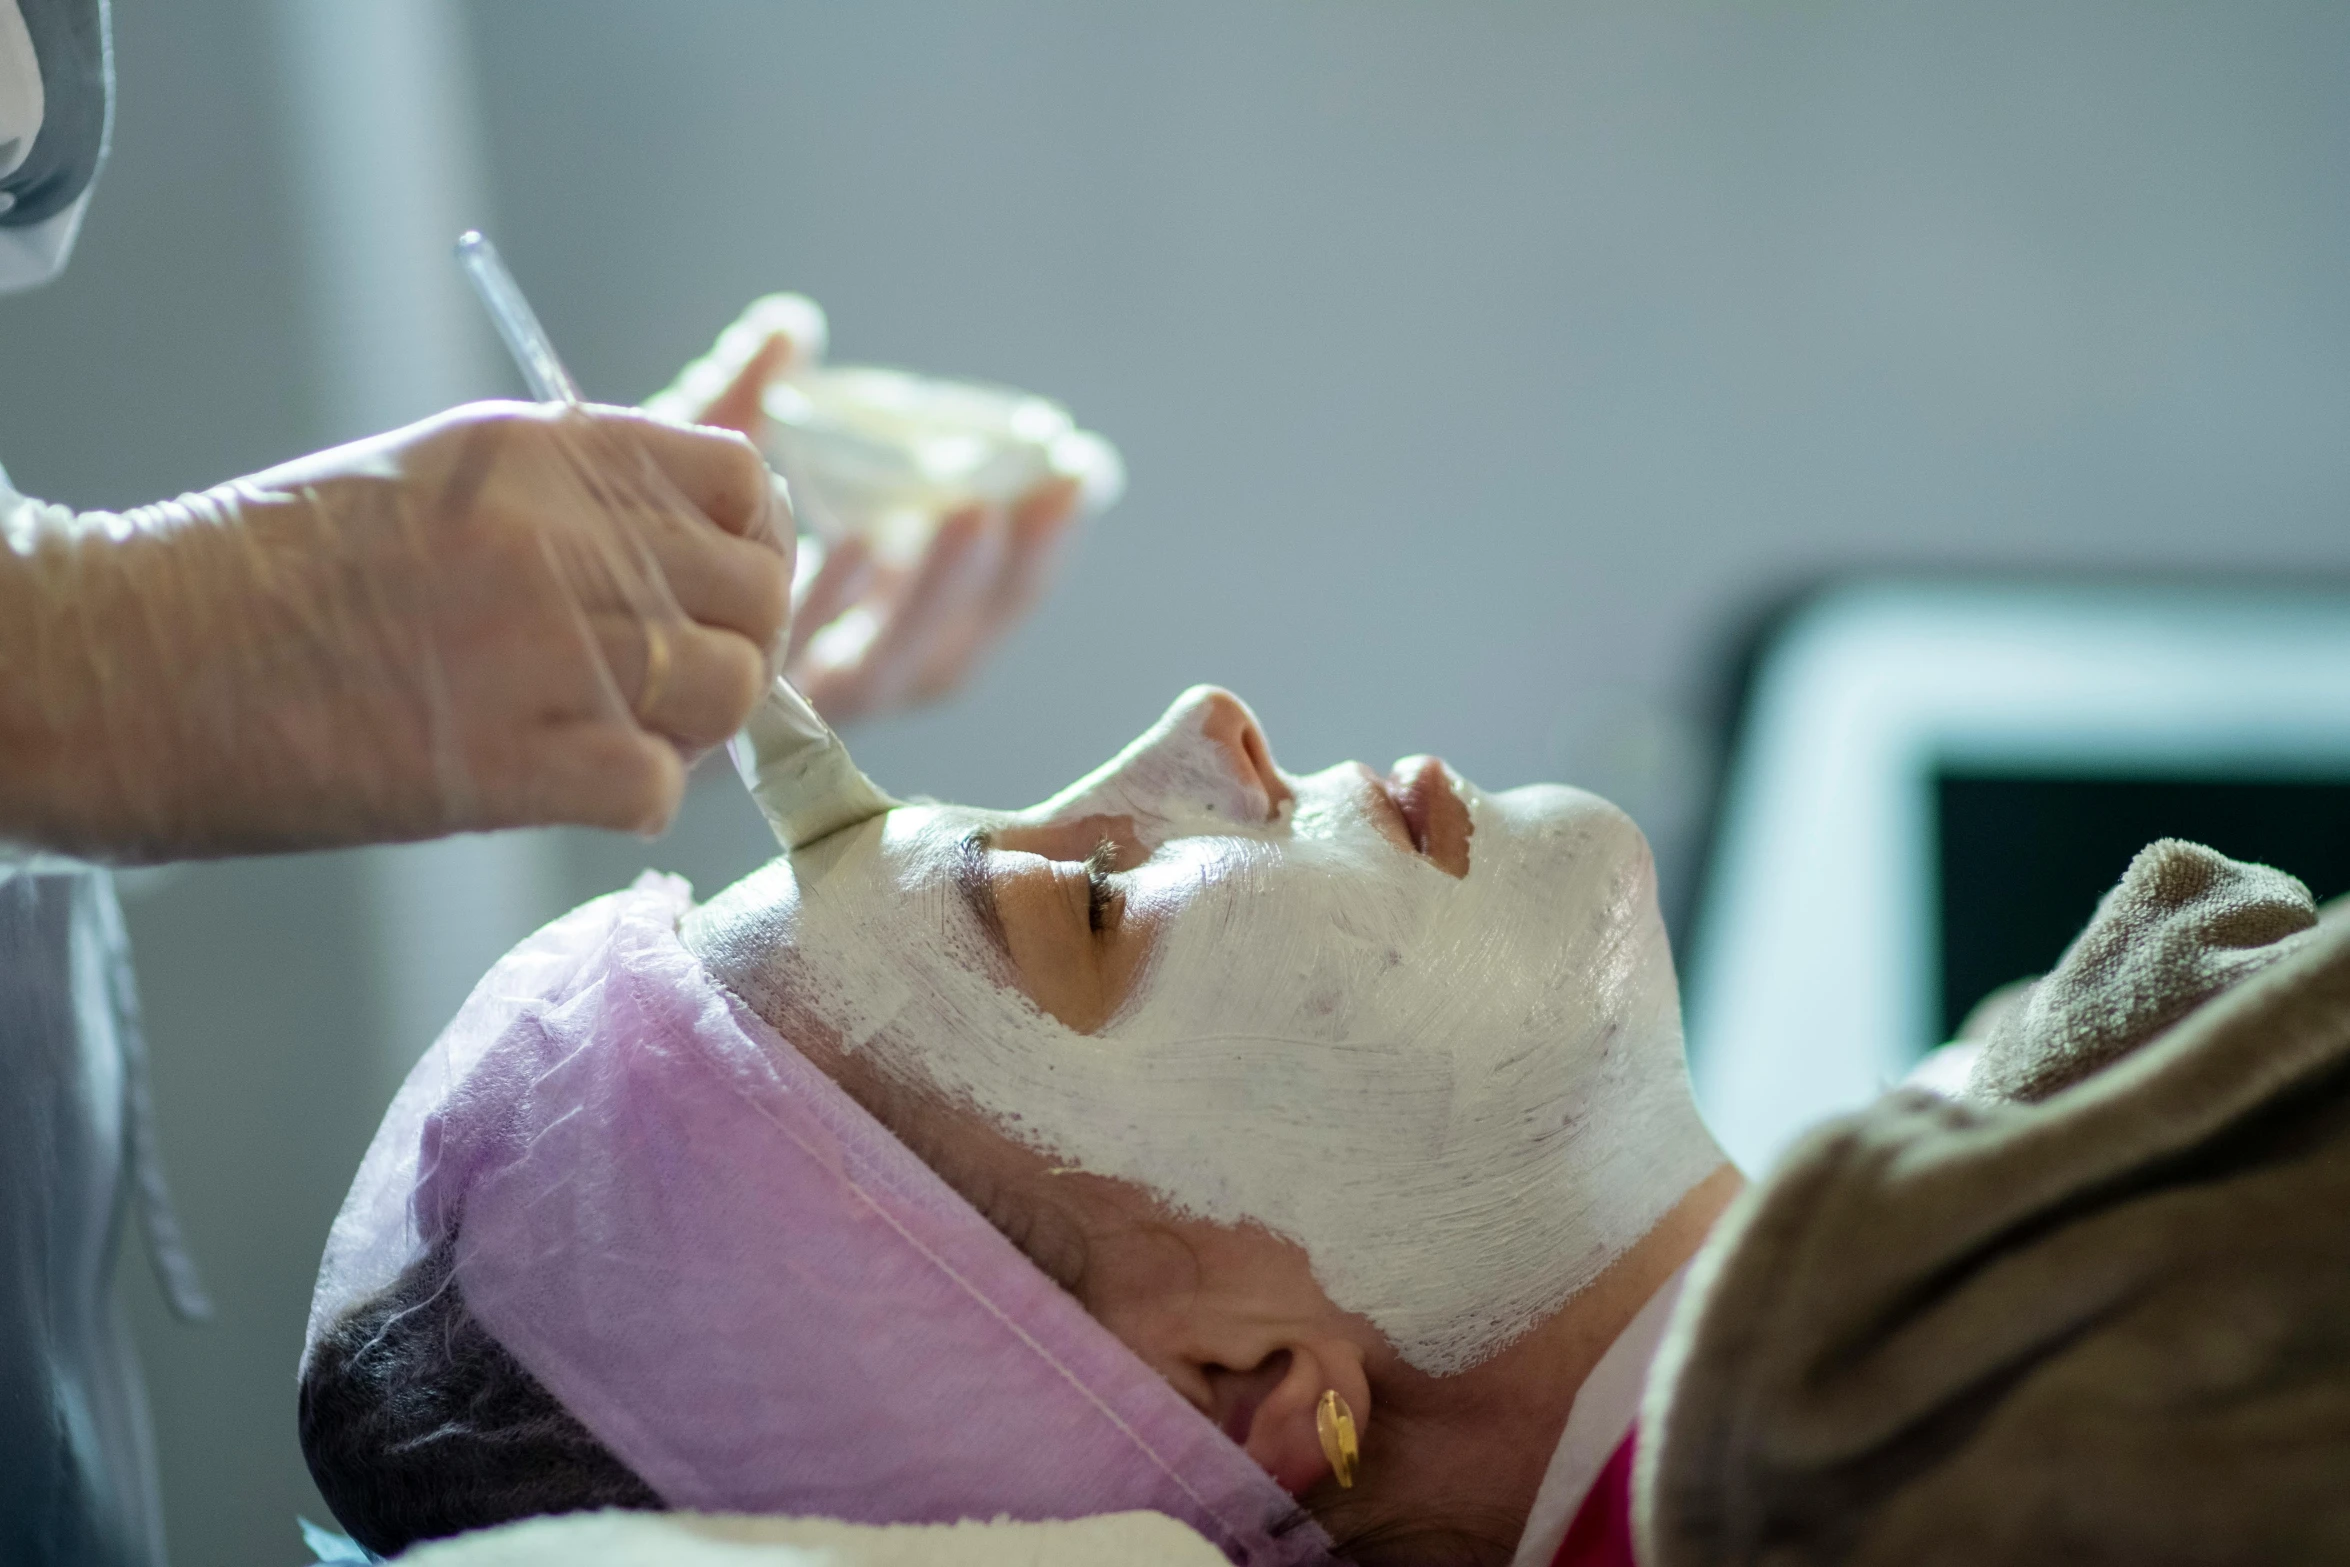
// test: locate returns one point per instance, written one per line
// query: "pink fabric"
(1601, 1535)
(756, 1296)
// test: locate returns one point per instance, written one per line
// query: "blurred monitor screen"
(2023, 859)
(1933, 780)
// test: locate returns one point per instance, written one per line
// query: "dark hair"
(417, 1424)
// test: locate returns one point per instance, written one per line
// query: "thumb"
(725, 387)
(738, 403)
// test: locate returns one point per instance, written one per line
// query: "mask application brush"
(806, 783)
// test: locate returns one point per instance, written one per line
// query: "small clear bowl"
(885, 454)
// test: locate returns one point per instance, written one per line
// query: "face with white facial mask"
(1427, 1035)
(1342, 1082)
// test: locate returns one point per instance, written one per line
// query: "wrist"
(51, 719)
(99, 620)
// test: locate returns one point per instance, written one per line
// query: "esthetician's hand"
(866, 639)
(503, 616)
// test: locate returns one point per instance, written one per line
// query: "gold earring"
(1334, 1423)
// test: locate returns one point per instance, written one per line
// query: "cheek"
(1154, 1291)
(1198, 780)
(1142, 1276)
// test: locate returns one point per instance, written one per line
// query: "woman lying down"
(1310, 1158)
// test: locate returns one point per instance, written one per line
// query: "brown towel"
(2110, 1326)
(2183, 925)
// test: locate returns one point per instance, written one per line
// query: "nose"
(1225, 723)
(1205, 756)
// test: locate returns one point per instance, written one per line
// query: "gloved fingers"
(658, 556)
(624, 514)
(775, 335)
(728, 583)
(598, 773)
(947, 586)
(1041, 524)
(688, 683)
(718, 472)
(553, 462)
(843, 574)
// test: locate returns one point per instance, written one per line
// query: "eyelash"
(1099, 894)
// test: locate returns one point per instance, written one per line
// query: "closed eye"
(1100, 897)
(1060, 916)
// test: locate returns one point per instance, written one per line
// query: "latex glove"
(867, 638)
(505, 615)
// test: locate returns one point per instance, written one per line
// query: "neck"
(1482, 1440)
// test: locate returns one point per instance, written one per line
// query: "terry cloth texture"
(2183, 925)
(706, 1540)
(2107, 1321)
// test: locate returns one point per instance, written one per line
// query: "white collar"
(1605, 1406)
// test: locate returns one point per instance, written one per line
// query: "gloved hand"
(504, 615)
(867, 638)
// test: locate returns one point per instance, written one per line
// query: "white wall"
(1473, 360)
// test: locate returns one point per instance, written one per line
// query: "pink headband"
(742, 1283)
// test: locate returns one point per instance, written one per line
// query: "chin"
(1598, 827)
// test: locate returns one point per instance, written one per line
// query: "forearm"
(70, 655)
(446, 628)
(48, 695)
(124, 642)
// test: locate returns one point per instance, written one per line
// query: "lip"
(1410, 794)
(1433, 813)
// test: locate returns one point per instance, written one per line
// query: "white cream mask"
(1462, 1097)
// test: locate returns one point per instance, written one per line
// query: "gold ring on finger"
(657, 661)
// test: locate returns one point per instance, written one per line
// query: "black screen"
(2023, 860)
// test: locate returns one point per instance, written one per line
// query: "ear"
(1270, 1409)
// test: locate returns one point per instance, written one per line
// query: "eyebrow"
(975, 885)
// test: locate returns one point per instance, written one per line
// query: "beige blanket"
(2096, 1312)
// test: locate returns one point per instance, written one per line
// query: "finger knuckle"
(640, 778)
(491, 413)
(768, 587)
(742, 680)
(745, 468)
